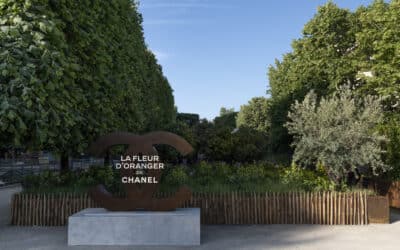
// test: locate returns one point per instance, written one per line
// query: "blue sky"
(215, 53)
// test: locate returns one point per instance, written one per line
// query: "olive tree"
(338, 132)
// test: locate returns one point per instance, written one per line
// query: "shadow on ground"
(394, 215)
(213, 237)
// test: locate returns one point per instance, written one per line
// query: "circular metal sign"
(136, 176)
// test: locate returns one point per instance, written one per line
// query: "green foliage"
(73, 70)
(177, 177)
(222, 171)
(220, 145)
(170, 154)
(378, 45)
(188, 118)
(250, 173)
(391, 129)
(242, 145)
(98, 175)
(226, 111)
(340, 47)
(320, 60)
(216, 141)
(255, 115)
(338, 132)
(202, 177)
(226, 118)
(378, 48)
(249, 145)
(74, 180)
(308, 180)
(209, 174)
(205, 173)
(219, 176)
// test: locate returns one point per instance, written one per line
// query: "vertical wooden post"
(365, 207)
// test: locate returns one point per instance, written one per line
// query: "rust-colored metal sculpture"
(140, 196)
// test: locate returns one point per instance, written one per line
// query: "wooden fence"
(225, 208)
(394, 194)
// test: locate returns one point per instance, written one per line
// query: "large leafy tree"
(73, 70)
(338, 132)
(226, 118)
(320, 60)
(340, 47)
(241, 145)
(255, 115)
(378, 48)
(40, 97)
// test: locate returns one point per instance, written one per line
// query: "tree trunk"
(64, 162)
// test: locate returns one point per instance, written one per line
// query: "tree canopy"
(255, 115)
(226, 118)
(340, 47)
(73, 70)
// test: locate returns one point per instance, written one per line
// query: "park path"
(257, 237)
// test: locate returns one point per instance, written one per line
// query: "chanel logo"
(140, 179)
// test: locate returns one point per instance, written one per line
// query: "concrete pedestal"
(97, 226)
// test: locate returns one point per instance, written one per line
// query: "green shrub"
(242, 145)
(220, 144)
(223, 171)
(80, 179)
(177, 176)
(250, 173)
(308, 180)
(203, 177)
(250, 145)
(204, 173)
(44, 179)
